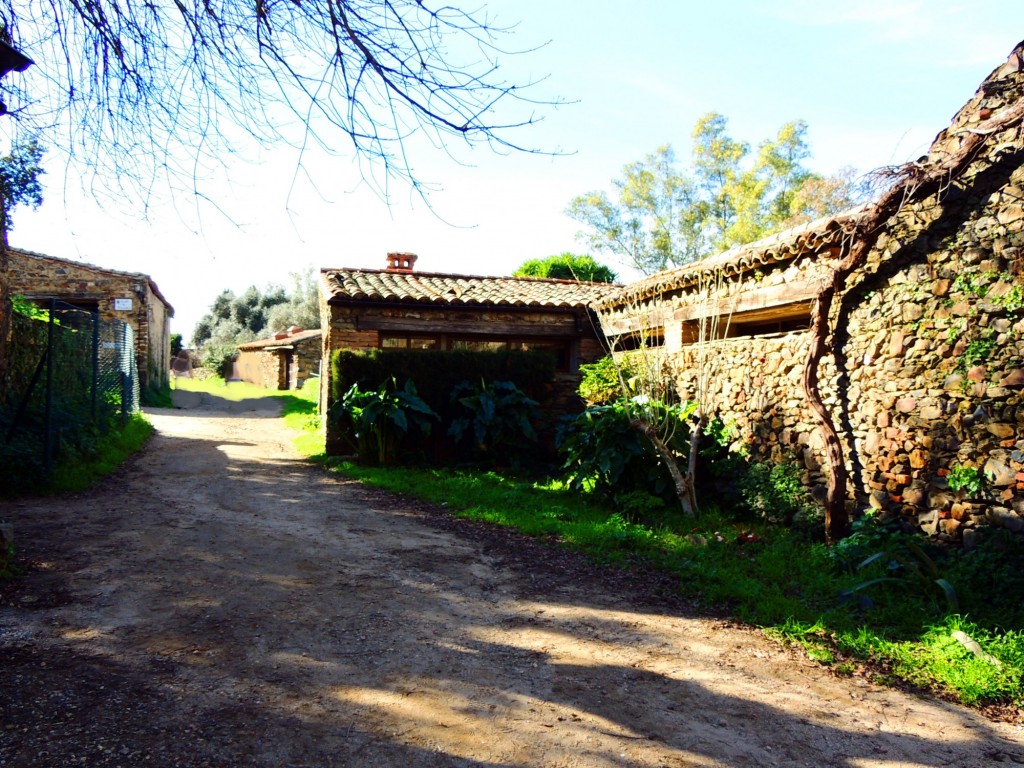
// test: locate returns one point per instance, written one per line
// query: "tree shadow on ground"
(224, 606)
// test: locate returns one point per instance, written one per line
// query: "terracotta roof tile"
(374, 285)
(273, 341)
(782, 246)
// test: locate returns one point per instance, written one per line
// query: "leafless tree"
(148, 91)
(148, 94)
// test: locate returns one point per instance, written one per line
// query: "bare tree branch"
(130, 87)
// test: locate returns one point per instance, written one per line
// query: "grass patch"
(73, 474)
(157, 396)
(782, 581)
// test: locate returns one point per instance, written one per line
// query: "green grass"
(76, 473)
(780, 581)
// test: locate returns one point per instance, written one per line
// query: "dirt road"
(220, 603)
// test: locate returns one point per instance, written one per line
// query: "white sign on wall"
(122, 305)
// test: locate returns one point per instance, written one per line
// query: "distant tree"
(302, 307)
(176, 344)
(663, 216)
(19, 180)
(567, 266)
(236, 319)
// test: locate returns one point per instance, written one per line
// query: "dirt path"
(219, 603)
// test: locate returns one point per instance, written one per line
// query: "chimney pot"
(401, 262)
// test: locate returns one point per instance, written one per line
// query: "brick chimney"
(401, 262)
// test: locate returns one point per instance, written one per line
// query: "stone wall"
(927, 381)
(38, 276)
(305, 361)
(261, 367)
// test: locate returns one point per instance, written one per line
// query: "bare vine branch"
(911, 183)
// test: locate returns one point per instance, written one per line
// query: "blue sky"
(875, 82)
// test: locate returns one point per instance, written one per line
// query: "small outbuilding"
(400, 308)
(131, 297)
(284, 361)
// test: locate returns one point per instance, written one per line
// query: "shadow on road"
(219, 605)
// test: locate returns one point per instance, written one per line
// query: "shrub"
(599, 383)
(776, 493)
(497, 417)
(377, 420)
(605, 453)
(218, 357)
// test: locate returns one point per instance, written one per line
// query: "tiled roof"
(282, 342)
(373, 285)
(782, 246)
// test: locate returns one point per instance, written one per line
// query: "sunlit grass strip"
(762, 574)
(234, 391)
(75, 474)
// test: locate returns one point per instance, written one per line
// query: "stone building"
(400, 308)
(925, 382)
(285, 361)
(131, 297)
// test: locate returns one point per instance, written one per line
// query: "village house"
(284, 361)
(924, 371)
(401, 308)
(130, 297)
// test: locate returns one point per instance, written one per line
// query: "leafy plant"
(26, 308)
(976, 352)
(1013, 299)
(599, 382)
(966, 479)
(499, 418)
(970, 284)
(776, 493)
(379, 419)
(604, 452)
(908, 565)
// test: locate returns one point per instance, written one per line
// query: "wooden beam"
(563, 328)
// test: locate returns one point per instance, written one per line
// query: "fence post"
(48, 408)
(95, 363)
(125, 378)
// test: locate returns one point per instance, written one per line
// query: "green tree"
(664, 216)
(653, 223)
(302, 307)
(19, 180)
(567, 266)
(20, 170)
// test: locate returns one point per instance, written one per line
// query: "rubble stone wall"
(927, 381)
(39, 276)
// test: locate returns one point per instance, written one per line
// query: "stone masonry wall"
(42, 276)
(261, 367)
(927, 381)
(305, 361)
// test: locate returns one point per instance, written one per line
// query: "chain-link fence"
(70, 377)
